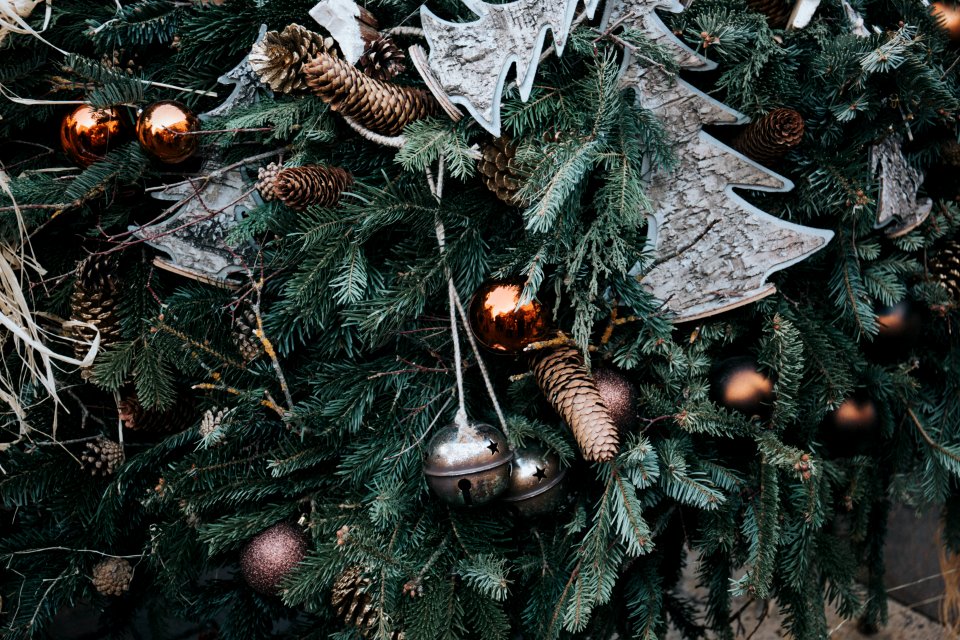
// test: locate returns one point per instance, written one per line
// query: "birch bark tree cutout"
(713, 251)
(897, 201)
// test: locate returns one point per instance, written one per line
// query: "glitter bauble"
(167, 130)
(86, 134)
(468, 465)
(619, 396)
(537, 484)
(499, 324)
(736, 383)
(848, 429)
(948, 17)
(271, 555)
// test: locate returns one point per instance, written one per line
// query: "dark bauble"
(848, 429)
(167, 130)
(619, 396)
(737, 383)
(947, 14)
(271, 555)
(898, 330)
(86, 134)
(537, 484)
(500, 325)
(468, 465)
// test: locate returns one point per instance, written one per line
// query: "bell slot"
(464, 486)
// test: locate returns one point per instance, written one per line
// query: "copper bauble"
(536, 481)
(737, 383)
(468, 465)
(948, 16)
(898, 329)
(86, 134)
(850, 427)
(499, 324)
(167, 130)
(619, 396)
(271, 555)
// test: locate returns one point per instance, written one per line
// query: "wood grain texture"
(898, 209)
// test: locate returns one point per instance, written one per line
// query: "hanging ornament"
(897, 200)
(849, 428)
(300, 187)
(271, 555)
(86, 134)
(96, 293)
(468, 465)
(619, 397)
(947, 14)
(279, 57)
(898, 329)
(499, 171)
(354, 605)
(112, 576)
(503, 325)
(572, 393)
(536, 481)
(102, 456)
(944, 268)
(768, 139)
(166, 130)
(736, 383)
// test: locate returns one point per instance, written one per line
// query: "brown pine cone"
(354, 606)
(102, 456)
(777, 12)
(134, 417)
(383, 59)
(499, 171)
(573, 394)
(112, 576)
(266, 181)
(768, 139)
(94, 300)
(381, 107)
(121, 61)
(212, 420)
(300, 187)
(244, 334)
(950, 152)
(279, 58)
(944, 268)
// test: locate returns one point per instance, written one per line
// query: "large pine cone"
(102, 456)
(301, 187)
(94, 300)
(768, 139)
(499, 170)
(354, 605)
(573, 394)
(136, 418)
(383, 59)
(112, 576)
(278, 59)
(381, 107)
(945, 268)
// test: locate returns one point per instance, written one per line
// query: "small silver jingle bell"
(536, 481)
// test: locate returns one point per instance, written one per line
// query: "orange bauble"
(948, 15)
(167, 130)
(86, 134)
(500, 325)
(737, 383)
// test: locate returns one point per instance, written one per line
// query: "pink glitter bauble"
(270, 556)
(619, 395)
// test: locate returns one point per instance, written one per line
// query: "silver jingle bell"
(468, 465)
(537, 482)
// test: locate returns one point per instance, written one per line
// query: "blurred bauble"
(86, 134)
(537, 484)
(948, 15)
(736, 383)
(499, 324)
(468, 465)
(619, 395)
(271, 555)
(898, 330)
(167, 131)
(849, 428)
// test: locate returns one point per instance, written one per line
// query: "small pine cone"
(777, 12)
(383, 59)
(768, 139)
(300, 187)
(136, 418)
(102, 456)
(574, 395)
(94, 300)
(944, 267)
(354, 606)
(112, 576)
(121, 61)
(244, 334)
(266, 181)
(279, 58)
(499, 171)
(212, 420)
(381, 107)
(950, 152)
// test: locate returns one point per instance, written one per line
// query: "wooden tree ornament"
(899, 211)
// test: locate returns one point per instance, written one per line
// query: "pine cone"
(279, 58)
(212, 420)
(136, 418)
(777, 11)
(300, 187)
(94, 300)
(112, 576)
(102, 456)
(266, 181)
(383, 59)
(574, 395)
(768, 139)
(244, 336)
(381, 107)
(950, 152)
(354, 606)
(945, 268)
(499, 170)
(121, 61)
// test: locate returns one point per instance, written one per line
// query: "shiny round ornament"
(619, 396)
(898, 330)
(537, 484)
(736, 383)
(948, 16)
(271, 555)
(166, 130)
(502, 326)
(468, 465)
(848, 429)
(86, 134)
